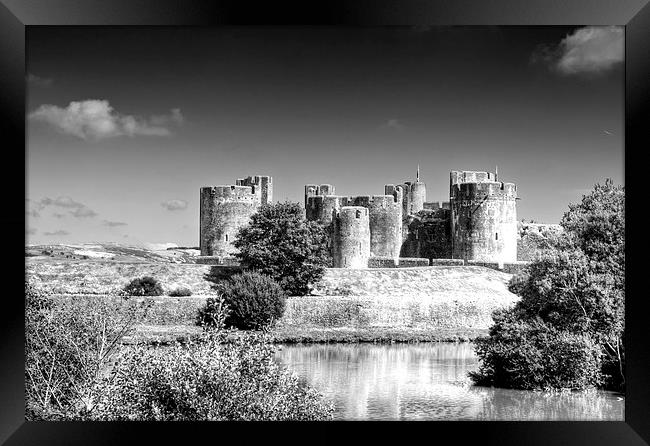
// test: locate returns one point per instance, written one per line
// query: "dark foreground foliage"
(180, 292)
(534, 355)
(217, 377)
(254, 301)
(209, 380)
(567, 330)
(77, 369)
(68, 347)
(280, 243)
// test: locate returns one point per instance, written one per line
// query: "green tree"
(280, 243)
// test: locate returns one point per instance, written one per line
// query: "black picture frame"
(16, 15)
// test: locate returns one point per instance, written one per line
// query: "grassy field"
(108, 278)
(382, 305)
(444, 303)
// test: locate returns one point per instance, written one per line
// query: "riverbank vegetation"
(76, 368)
(254, 301)
(567, 330)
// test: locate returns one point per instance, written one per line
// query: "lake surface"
(428, 381)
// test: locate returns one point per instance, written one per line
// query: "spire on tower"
(496, 173)
(417, 177)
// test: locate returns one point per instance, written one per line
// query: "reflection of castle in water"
(429, 382)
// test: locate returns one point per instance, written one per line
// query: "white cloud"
(393, 123)
(83, 212)
(38, 81)
(95, 119)
(58, 233)
(175, 117)
(76, 209)
(174, 205)
(589, 50)
(113, 224)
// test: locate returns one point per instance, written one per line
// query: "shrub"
(180, 292)
(209, 380)
(254, 301)
(69, 344)
(143, 286)
(281, 244)
(533, 355)
(219, 273)
(213, 314)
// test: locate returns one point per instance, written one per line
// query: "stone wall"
(507, 267)
(428, 234)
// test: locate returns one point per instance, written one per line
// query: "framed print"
(352, 216)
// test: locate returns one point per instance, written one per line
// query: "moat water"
(428, 381)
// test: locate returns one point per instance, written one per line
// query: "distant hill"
(111, 252)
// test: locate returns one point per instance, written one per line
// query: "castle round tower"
(385, 221)
(415, 194)
(484, 217)
(224, 210)
(351, 238)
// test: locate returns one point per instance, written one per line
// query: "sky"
(124, 125)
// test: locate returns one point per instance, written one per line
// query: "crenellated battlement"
(483, 190)
(261, 185)
(230, 193)
(471, 176)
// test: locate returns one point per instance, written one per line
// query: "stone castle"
(478, 223)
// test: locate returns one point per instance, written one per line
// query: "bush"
(143, 286)
(68, 346)
(281, 244)
(254, 301)
(213, 313)
(76, 369)
(209, 380)
(180, 292)
(533, 355)
(219, 273)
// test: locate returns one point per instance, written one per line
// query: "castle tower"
(415, 194)
(484, 217)
(320, 202)
(224, 210)
(351, 237)
(262, 186)
(385, 215)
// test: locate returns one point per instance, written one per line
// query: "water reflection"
(429, 382)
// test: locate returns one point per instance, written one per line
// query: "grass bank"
(378, 305)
